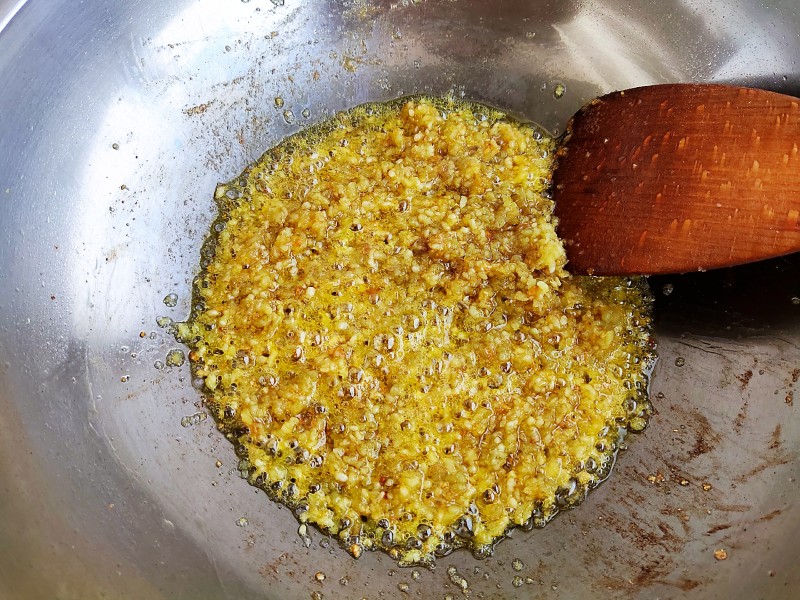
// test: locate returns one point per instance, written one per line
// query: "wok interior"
(120, 118)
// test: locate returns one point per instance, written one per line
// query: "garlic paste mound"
(387, 332)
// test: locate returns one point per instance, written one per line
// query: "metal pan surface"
(117, 120)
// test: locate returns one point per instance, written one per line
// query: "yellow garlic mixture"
(387, 332)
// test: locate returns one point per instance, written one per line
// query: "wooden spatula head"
(677, 178)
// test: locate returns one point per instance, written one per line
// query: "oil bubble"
(175, 358)
(171, 300)
(680, 361)
(302, 531)
(194, 419)
(242, 522)
(559, 90)
(288, 116)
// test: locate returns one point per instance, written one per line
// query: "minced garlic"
(387, 332)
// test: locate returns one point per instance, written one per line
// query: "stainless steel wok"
(117, 119)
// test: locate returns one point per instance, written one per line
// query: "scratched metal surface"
(117, 119)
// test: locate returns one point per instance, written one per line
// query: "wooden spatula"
(677, 178)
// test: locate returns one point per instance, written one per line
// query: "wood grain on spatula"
(677, 178)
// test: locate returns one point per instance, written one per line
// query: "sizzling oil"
(386, 331)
